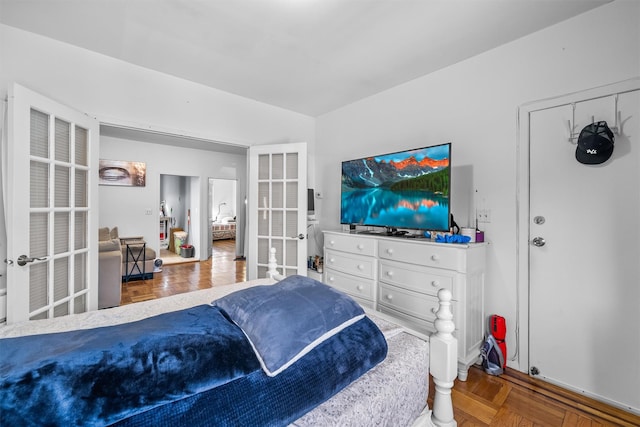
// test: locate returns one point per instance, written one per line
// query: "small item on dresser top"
(452, 238)
(470, 232)
(447, 238)
(479, 236)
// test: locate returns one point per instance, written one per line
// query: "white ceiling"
(308, 56)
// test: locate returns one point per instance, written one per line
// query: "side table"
(136, 259)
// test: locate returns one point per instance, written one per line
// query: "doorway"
(222, 215)
(179, 201)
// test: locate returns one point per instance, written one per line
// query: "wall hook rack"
(573, 136)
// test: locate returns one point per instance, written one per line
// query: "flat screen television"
(403, 190)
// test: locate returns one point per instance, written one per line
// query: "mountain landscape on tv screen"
(408, 174)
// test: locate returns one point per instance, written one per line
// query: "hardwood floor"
(516, 399)
(220, 269)
(512, 399)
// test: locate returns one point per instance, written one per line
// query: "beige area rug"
(169, 258)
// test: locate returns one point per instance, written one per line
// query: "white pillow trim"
(307, 348)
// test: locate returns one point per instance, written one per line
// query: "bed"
(224, 230)
(389, 388)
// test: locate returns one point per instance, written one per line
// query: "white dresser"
(401, 277)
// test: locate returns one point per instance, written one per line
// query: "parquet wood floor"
(516, 399)
(512, 399)
(220, 269)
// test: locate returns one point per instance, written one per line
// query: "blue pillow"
(285, 321)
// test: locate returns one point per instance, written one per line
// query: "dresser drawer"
(354, 286)
(350, 243)
(422, 253)
(344, 262)
(425, 280)
(416, 305)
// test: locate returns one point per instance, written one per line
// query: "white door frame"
(523, 199)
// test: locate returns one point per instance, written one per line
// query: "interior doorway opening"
(179, 202)
(222, 215)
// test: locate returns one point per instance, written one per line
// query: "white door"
(52, 198)
(277, 208)
(584, 256)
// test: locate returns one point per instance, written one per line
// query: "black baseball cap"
(595, 144)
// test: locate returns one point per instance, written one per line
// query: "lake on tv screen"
(399, 209)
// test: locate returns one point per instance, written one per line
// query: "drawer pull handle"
(359, 287)
(433, 310)
(360, 267)
(332, 242)
(435, 257)
(435, 283)
(360, 247)
(389, 297)
(332, 260)
(389, 273)
(331, 278)
(390, 251)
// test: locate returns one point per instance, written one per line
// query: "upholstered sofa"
(109, 268)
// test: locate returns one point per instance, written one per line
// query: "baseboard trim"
(586, 404)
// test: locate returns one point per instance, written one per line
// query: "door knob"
(538, 241)
(23, 260)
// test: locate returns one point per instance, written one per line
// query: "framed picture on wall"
(123, 173)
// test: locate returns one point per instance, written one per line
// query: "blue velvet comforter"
(190, 367)
(98, 376)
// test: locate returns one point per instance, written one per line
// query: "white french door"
(52, 194)
(277, 208)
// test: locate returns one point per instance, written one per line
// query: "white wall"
(473, 104)
(118, 92)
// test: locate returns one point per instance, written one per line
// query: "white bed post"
(443, 355)
(272, 266)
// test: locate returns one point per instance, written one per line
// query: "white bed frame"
(443, 351)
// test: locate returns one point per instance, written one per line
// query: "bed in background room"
(223, 230)
(208, 358)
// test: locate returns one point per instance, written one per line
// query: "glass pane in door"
(38, 289)
(62, 182)
(292, 166)
(39, 141)
(60, 279)
(80, 279)
(39, 185)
